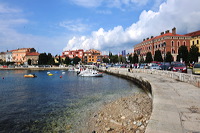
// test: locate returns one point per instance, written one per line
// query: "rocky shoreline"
(125, 115)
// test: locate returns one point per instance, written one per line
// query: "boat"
(30, 76)
(50, 74)
(90, 73)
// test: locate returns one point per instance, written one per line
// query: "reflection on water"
(54, 104)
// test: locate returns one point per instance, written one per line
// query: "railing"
(184, 77)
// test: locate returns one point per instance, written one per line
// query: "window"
(192, 42)
(178, 43)
(184, 43)
(172, 43)
(197, 41)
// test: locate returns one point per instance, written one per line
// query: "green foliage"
(130, 58)
(105, 60)
(183, 53)
(158, 56)
(194, 53)
(149, 58)
(169, 57)
(76, 60)
(45, 59)
(135, 58)
(67, 60)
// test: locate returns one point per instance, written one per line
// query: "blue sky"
(107, 25)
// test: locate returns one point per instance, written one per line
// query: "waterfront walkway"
(176, 104)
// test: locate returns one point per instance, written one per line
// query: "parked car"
(179, 67)
(142, 66)
(165, 66)
(196, 68)
(155, 66)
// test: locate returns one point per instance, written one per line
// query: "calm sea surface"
(54, 104)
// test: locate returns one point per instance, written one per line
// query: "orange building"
(19, 55)
(73, 53)
(92, 56)
(165, 42)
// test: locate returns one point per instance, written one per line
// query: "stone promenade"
(176, 104)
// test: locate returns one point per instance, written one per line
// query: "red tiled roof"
(32, 54)
(193, 34)
(160, 36)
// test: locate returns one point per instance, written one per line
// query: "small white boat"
(90, 73)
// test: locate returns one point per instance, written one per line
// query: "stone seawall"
(141, 82)
(175, 99)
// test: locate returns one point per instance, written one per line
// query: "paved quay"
(176, 104)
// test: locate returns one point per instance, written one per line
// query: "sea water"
(58, 103)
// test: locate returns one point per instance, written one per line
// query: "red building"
(165, 42)
(73, 53)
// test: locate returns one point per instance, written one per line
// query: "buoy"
(3, 78)
(60, 76)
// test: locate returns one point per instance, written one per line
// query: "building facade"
(73, 53)
(33, 57)
(2, 56)
(92, 56)
(195, 38)
(19, 55)
(9, 56)
(165, 42)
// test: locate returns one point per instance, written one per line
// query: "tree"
(182, 53)
(158, 56)
(149, 58)
(43, 59)
(130, 58)
(135, 58)
(169, 57)
(50, 58)
(76, 60)
(114, 59)
(67, 60)
(105, 60)
(194, 53)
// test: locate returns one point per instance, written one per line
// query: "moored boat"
(30, 76)
(50, 74)
(90, 73)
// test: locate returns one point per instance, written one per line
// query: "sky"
(53, 26)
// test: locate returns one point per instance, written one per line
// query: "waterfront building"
(195, 38)
(165, 42)
(9, 56)
(19, 55)
(73, 53)
(2, 56)
(33, 57)
(92, 56)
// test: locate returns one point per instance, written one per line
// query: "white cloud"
(87, 3)
(6, 9)
(173, 13)
(109, 3)
(75, 25)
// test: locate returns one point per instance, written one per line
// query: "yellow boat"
(50, 74)
(30, 76)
